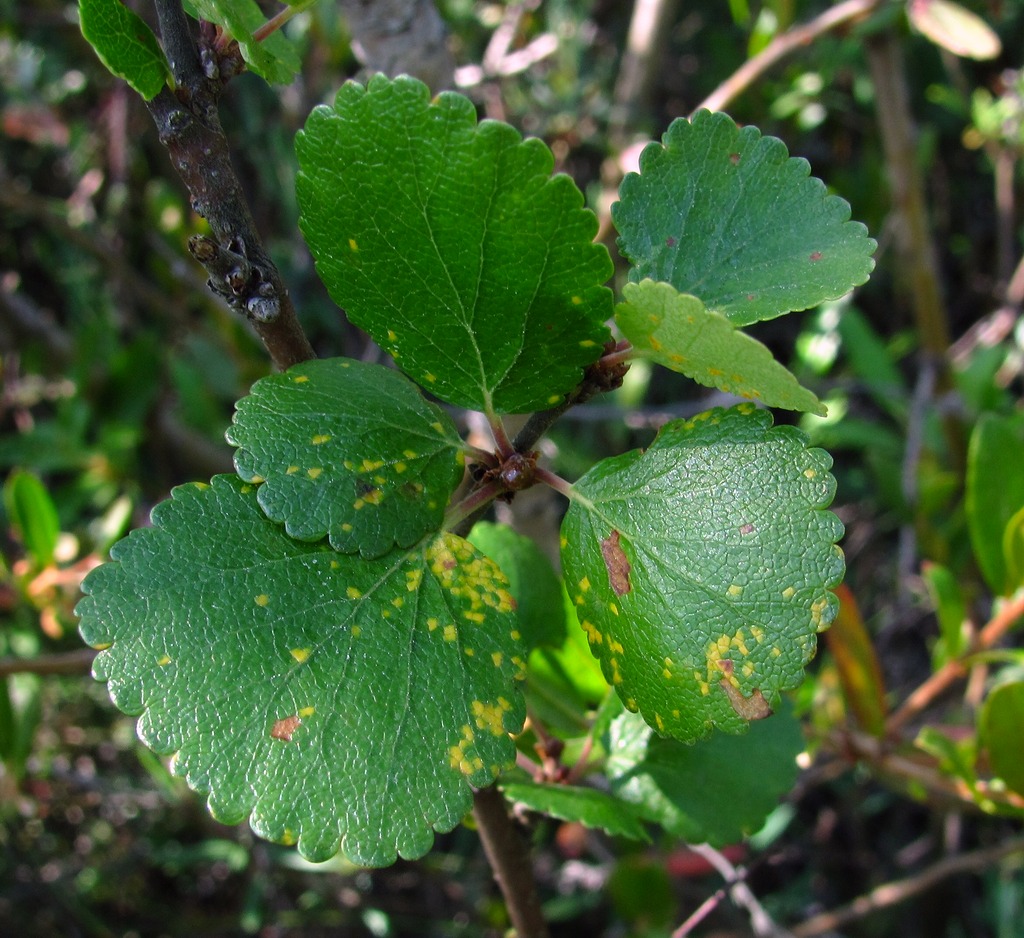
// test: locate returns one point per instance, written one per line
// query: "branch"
(190, 129)
(510, 862)
(954, 670)
(69, 662)
(783, 45)
(901, 890)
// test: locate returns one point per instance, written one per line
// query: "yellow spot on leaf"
(810, 473)
(346, 527)
(307, 711)
(450, 633)
(554, 398)
(413, 578)
(163, 660)
(291, 470)
(469, 652)
(320, 438)
(587, 343)
(400, 467)
(287, 838)
(788, 592)
(300, 379)
(735, 590)
(660, 722)
(301, 654)
(515, 635)
(262, 599)
(497, 657)
(430, 378)
(489, 716)
(102, 646)
(411, 453)
(353, 593)
(352, 245)
(391, 335)
(398, 602)
(576, 301)
(585, 585)
(432, 623)
(314, 473)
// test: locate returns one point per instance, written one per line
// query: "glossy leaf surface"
(726, 215)
(336, 701)
(701, 568)
(350, 451)
(452, 245)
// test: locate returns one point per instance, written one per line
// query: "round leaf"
(719, 790)
(675, 330)
(452, 245)
(336, 701)
(701, 569)
(348, 450)
(726, 215)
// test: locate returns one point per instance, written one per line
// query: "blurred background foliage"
(119, 373)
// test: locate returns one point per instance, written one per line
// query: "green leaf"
(33, 515)
(726, 215)
(125, 45)
(675, 330)
(995, 492)
(532, 581)
(452, 245)
(588, 806)
(348, 450)
(950, 609)
(274, 58)
(1013, 552)
(718, 790)
(1001, 720)
(335, 700)
(702, 567)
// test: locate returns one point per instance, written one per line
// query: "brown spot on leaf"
(747, 528)
(816, 256)
(754, 707)
(617, 564)
(670, 242)
(734, 158)
(283, 728)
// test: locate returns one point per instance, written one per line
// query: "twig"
(954, 670)
(510, 862)
(901, 890)
(783, 45)
(69, 662)
(760, 921)
(190, 129)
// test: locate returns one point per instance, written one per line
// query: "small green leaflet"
(994, 494)
(675, 330)
(718, 790)
(726, 215)
(453, 246)
(588, 806)
(348, 450)
(701, 568)
(336, 701)
(274, 58)
(125, 45)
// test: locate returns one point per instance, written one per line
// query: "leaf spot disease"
(314, 473)
(320, 438)
(816, 255)
(262, 600)
(285, 727)
(617, 563)
(754, 707)
(301, 654)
